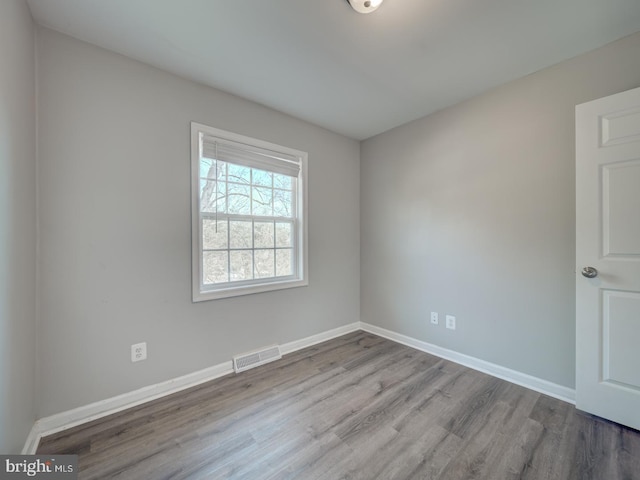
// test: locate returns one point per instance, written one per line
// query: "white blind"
(249, 156)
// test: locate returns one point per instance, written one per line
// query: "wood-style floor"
(356, 407)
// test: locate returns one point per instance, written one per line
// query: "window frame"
(299, 278)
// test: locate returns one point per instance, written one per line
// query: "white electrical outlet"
(139, 352)
(451, 322)
(434, 318)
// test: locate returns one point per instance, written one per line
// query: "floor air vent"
(254, 359)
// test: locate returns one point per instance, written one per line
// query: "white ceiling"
(355, 74)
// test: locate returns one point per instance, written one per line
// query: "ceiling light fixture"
(364, 6)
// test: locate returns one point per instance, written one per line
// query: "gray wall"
(114, 205)
(471, 211)
(17, 225)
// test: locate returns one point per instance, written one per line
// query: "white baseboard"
(528, 381)
(31, 444)
(319, 338)
(87, 413)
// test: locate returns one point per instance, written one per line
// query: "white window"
(248, 215)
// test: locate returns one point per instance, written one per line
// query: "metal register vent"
(254, 359)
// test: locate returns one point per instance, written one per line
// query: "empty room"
(342, 239)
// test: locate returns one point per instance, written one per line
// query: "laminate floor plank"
(357, 466)
(513, 456)
(509, 446)
(321, 449)
(552, 458)
(424, 454)
(355, 407)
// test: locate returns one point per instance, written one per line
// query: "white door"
(608, 246)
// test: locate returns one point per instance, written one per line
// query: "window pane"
(282, 204)
(206, 168)
(284, 262)
(221, 171)
(212, 237)
(264, 263)
(209, 169)
(283, 234)
(262, 201)
(221, 200)
(263, 235)
(207, 195)
(239, 200)
(241, 234)
(212, 196)
(241, 265)
(214, 267)
(239, 174)
(282, 181)
(260, 177)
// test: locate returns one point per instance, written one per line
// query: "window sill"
(235, 291)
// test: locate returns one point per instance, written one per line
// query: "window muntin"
(248, 214)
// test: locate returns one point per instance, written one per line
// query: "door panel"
(608, 239)
(621, 355)
(620, 127)
(621, 208)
